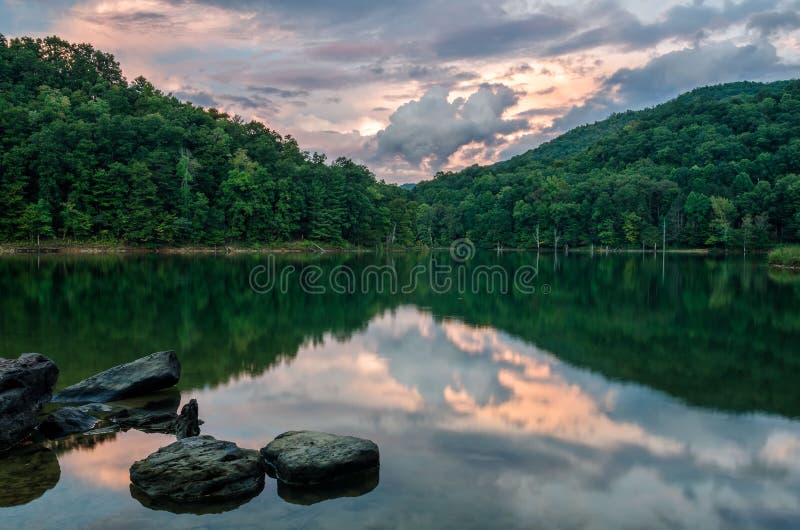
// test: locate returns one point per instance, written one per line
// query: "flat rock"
(26, 384)
(149, 374)
(66, 421)
(309, 457)
(198, 470)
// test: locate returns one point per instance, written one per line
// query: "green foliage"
(719, 165)
(86, 155)
(788, 256)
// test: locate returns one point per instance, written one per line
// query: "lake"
(582, 392)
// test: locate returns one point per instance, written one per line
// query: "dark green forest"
(87, 156)
(716, 167)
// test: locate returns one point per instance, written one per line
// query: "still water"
(616, 392)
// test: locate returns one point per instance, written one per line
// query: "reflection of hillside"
(711, 332)
(26, 474)
(80, 442)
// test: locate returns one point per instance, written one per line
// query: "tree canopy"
(718, 166)
(86, 155)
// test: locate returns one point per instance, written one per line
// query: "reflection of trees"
(714, 333)
(80, 442)
(26, 474)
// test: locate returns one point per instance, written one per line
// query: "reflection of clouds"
(540, 402)
(108, 466)
(470, 339)
(343, 376)
(782, 449)
(551, 408)
(465, 414)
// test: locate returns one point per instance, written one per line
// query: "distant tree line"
(86, 155)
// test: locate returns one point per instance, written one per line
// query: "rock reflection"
(354, 486)
(26, 474)
(191, 508)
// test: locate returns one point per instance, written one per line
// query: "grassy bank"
(788, 256)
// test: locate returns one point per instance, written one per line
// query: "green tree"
(37, 221)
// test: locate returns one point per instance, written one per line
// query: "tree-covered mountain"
(718, 166)
(86, 155)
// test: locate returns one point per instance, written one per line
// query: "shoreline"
(227, 250)
(793, 268)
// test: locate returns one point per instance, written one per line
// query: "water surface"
(625, 392)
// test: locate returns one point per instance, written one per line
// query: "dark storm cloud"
(770, 23)
(502, 36)
(432, 128)
(620, 27)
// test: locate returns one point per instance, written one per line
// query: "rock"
(308, 457)
(156, 414)
(100, 410)
(188, 423)
(146, 420)
(142, 376)
(26, 474)
(26, 384)
(354, 485)
(198, 471)
(66, 421)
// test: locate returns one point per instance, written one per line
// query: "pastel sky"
(411, 87)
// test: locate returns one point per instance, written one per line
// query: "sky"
(412, 87)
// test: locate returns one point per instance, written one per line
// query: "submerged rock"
(198, 470)
(66, 421)
(188, 423)
(309, 458)
(26, 384)
(142, 376)
(26, 474)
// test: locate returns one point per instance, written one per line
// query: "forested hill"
(87, 155)
(719, 164)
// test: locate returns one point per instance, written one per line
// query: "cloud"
(502, 36)
(432, 129)
(272, 91)
(689, 22)
(670, 74)
(202, 99)
(772, 22)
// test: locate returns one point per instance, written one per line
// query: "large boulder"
(25, 385)
(66, 421)
(142, 376)
(198, 471)
(309, 457)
